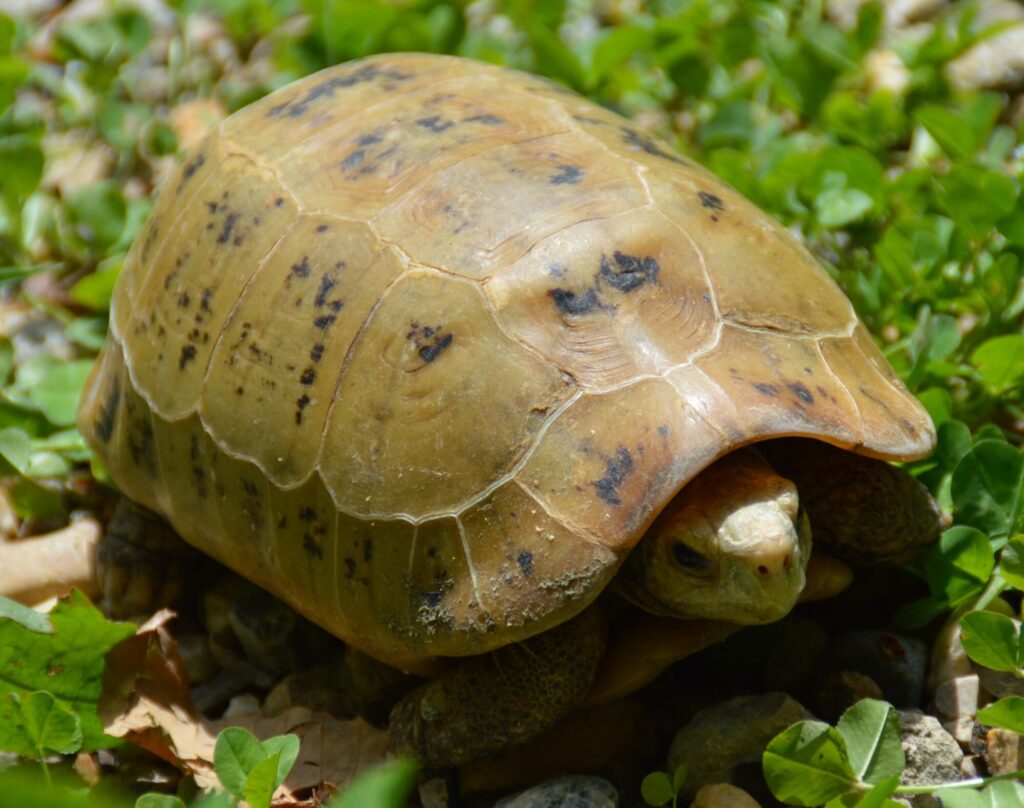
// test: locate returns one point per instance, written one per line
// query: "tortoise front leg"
(495, 701)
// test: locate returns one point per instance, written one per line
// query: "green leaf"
(1008, 713)
(286, 747)
(159, 801)
(839, 207)
(807, 764)
(1000, 362)
(679, 777)
(21, 164)
(988, 488)
(1011, 562)
(959, 564)
(53, 387)
(976, 198)
(261, 782)
(991, 640)
(24, 616)
(68, 664)
(236, 753)
(871, 730)
(389, 784)
(16, 448)
(49, 726)
(949, 130)
(99, 213)
(656, 789)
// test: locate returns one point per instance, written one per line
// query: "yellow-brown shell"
(423, 346)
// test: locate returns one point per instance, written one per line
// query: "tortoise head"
(733, 545)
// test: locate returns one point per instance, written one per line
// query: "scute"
(435, 404)
(423, 346)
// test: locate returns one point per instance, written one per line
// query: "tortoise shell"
(423, 346)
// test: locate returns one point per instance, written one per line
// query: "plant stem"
(928, 788)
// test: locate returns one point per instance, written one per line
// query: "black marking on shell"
(327, 88)
(435, 123)
(572, 304)
(311, 546)
(195, 456)
(710, 200)
(367, 550)
(307, 514)
(429, 341)
(317, 352)
(229, 225)
(188, 353)
(767, 389)
(326, 284)
(104, 424)
(486, 119)
(322, 228)
(301, 269)
(525, 562)
(567, 175)
(629, 272)
(204, 302)
(368, 140)
(184, 299)
(616, 470)
(308, 377)
(353, 160)
(300, 403)
(801, 392)
(324, 322)
(191, 167)
(278, 201)
(636, 140)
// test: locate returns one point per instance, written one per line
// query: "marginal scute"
(896, 426)
(530, 568)
(761, 276)
(423, 346)
(418, 429)
(758, 383)
(609, 463)
(610, 300)
(280, 355)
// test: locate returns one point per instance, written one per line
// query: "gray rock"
(721, 737)
(933, 755)
(895, 663)
(574, 791)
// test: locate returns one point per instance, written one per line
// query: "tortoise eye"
(689, 558)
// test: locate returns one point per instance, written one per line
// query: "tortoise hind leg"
(486, 704)
(862, 510)
(141, 563)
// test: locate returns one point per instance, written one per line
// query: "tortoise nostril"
(762, 569)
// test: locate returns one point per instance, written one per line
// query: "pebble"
(933, 755)
(955, 703)
(721, 737)
(1002, 751)
(723, 795)
(574, 791)
(996, 62)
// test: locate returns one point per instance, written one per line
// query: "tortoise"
(438, 352)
